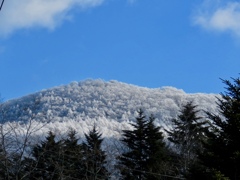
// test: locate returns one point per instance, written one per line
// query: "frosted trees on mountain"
(16, 137)
(112, 106)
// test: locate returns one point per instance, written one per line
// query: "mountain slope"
(111, 105)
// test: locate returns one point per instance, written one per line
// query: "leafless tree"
(16, 138)
(1, 5)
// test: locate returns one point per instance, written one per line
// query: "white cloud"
(22, 14)
(219, 17)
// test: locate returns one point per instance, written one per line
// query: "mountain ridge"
(111, 104)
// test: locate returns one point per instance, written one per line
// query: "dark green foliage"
(5, 163)
(187, 135)
(222, 150)
(157, 162)
(72, 157)
(12, 166)
(66, 159)
(199, 172)
(134, 160)
(94, 157)
(145, 153)
(56, 159)
(47, 162)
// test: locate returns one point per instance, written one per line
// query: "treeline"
(192, 148)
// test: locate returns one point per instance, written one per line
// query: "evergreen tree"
(73, 156)
(48, 161)
(187, 135)
(94, 157)
(145, 150)
(56, 159)
(157, 162)
(222, 149)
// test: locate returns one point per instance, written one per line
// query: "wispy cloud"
(219, 16)
(22, 14)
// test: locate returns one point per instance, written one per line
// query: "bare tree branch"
(1, 5)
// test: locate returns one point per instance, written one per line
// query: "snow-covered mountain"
(110, 105)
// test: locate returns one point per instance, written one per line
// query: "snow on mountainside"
(111, 105)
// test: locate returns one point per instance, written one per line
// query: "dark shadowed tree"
(1, 5)
(186, 135)
(73, 157)
(94, 157)
(47, 162)
(145, 150)
(5, 164)
(222, 149)
(56, 159)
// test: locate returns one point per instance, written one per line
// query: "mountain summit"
(110, 105)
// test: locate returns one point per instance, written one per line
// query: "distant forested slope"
(110, 105)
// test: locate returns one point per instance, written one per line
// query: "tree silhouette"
(186, 135)
(47, 162)
(145, 150)
(72, 155)
(95, 157)
(222, 148)
(1, 5)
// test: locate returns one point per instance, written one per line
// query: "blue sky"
(185, 44)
